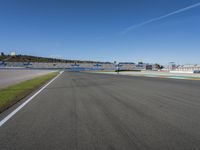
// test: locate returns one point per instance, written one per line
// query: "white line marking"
(27, 101)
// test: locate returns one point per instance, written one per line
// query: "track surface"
(81, 111)
(9, 77)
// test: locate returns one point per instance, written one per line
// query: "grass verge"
(12, 94)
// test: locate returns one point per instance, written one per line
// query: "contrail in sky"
(160, 18)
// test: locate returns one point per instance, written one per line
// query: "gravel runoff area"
(12, 76)
(156, 74)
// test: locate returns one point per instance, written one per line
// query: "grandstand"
(24, 61)
(127, 66)
(2, 63)
(190, 67)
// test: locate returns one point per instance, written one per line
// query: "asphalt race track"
(82, 111)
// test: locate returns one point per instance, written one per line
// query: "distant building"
(149, 67)
(141, 66)
(189, 67)
(13, 54)
(126, 66)
(171, 66)
(153, 67)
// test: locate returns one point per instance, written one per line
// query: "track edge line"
(10, 115)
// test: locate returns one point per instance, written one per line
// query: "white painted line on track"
(3, 121)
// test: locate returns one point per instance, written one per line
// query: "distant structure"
(2, 54)
(141, 66)
(24, 61)
(189, 67)
(13, 54)
(152, 67)
(126, 66)
(171, 66)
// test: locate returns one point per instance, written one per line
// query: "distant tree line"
(158, 66)
(28, 58)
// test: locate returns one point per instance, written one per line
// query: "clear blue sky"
(97, 29)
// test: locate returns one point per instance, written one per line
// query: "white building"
(13, 53)
(188, 67)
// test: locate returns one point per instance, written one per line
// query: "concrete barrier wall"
(190, 72)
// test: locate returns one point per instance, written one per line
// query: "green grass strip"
(14, 93)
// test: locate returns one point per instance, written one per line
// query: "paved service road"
(12, 76)
(82, 111)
